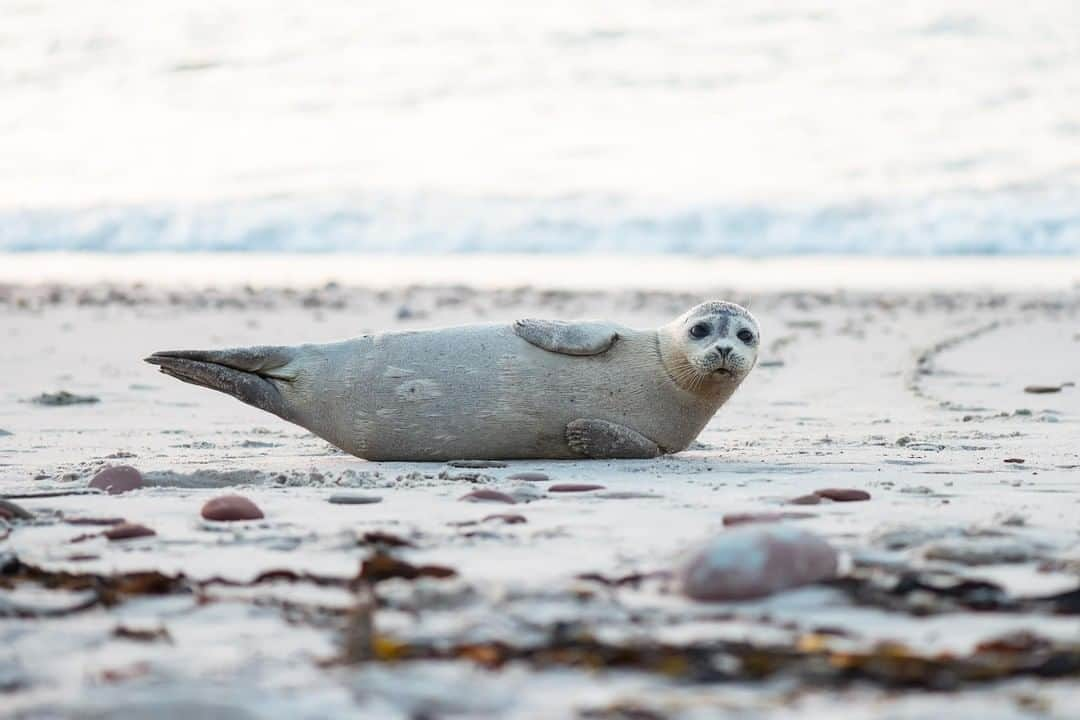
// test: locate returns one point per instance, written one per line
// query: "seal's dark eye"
(700, 330)
(746, 336)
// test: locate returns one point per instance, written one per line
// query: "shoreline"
(577, 272)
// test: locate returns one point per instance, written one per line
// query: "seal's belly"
(483, 392)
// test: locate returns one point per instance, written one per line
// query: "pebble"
(843, 494)
(1018, 461)
(63, 398)
(9, 510)
(477, 464)
(231, 507)
(4, 433)
(764, 517)
(529, 477)
(117, 479)
(125, 531)
(574, 487)
(805, 500)
(354, 499)
(487, 495)
(1045, 389)
(755, 562)
(508, 518)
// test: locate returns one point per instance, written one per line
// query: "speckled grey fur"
(533, 389)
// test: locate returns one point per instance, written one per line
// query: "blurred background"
(703, 128)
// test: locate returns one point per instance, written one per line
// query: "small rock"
(574, 487)
(63, 397)
(11, 511)
(508, 518)
(843, 494)
(4, 433)
(755, 562)
(763, 517)
(125, 531)
(380, 537)
(805, 500)
(529, 477)
(1045, 389)
(1017, 461)
(118, 479)
(354, 499)
(476, 464)
(488, 495)
(227, 508)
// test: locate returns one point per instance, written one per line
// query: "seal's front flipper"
(603, 439)
(568, 338)
(252, 375)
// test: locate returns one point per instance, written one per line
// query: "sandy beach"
(959, 575)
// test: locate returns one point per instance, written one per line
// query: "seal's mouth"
(723, 371)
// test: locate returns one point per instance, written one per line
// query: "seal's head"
(712, 346)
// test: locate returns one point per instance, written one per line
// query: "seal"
(530, 389)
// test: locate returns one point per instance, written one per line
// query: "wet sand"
(913, 391)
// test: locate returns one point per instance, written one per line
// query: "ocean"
(684, 128)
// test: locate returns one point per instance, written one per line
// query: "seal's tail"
(254, 375)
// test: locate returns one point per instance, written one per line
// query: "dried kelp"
(934, 592)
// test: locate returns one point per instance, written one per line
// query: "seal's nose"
(724, 351)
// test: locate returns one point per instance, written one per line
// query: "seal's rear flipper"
(252, 375)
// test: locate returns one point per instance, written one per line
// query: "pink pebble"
(508, 518)
(763, 517)
(231, 507)
(755, 562)
(125, 531)
(574, 487)
(488, 495)
(116, 480)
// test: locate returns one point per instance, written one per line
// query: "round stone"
(125, 531)
(354, 499)
(754, 562)
(574, 487)
(843, 494)
(508, 518)
(529, 477)
(488, 495)
(118, 479)
(227, 508)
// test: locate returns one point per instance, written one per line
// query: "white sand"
(879, 380)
